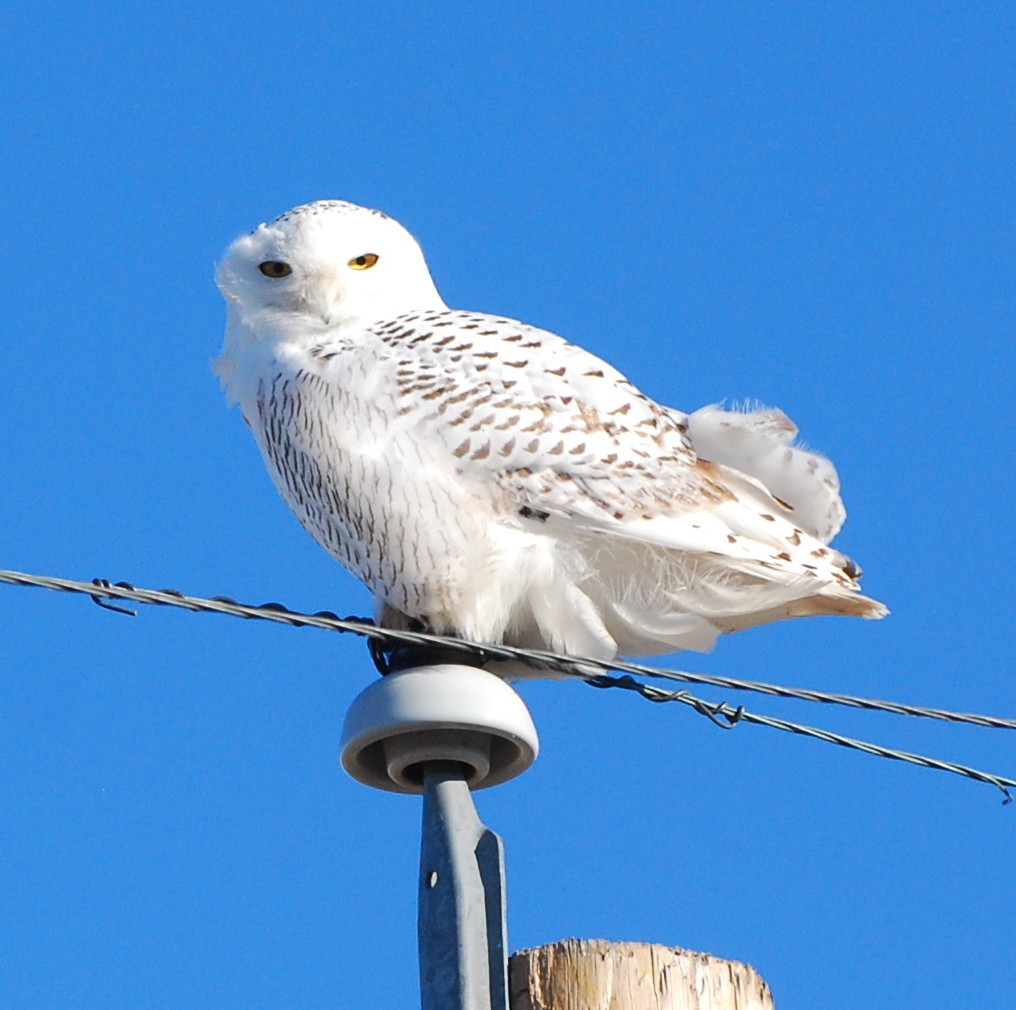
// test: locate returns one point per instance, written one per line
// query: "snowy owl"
(493, 481)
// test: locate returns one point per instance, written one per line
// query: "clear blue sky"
(810, 204)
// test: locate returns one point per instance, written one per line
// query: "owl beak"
(326, 297)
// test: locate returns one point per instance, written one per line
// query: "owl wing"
(563, 436)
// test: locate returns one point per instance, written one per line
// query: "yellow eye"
(364, 262)
(275, 268)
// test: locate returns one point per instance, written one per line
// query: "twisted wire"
(592, 671)
(100, 590)
(727, 717)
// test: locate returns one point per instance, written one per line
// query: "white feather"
(491, 480)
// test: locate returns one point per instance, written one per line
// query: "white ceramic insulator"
(437, 713)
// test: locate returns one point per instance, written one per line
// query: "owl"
(490, 480)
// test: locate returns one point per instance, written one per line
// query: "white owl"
(493, 481)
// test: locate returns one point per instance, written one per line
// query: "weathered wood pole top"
(599, 975)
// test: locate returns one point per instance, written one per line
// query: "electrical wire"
(727, 717)
(592, 671)
(100, 590)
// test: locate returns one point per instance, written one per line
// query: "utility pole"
(440, 731)
(598, 975)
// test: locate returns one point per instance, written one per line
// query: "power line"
(101, 589)
(727, 717)
(824, 697)
(592, 671)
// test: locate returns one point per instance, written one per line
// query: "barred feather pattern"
(489, 479)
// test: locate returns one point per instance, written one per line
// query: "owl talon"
(395, 657)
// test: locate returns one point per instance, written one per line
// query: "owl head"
(325, 265)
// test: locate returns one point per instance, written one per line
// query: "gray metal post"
(462, 919)
(465, 728)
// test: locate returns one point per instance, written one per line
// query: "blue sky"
(807, 204)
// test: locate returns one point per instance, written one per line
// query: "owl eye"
(275, 268)
(364, 262)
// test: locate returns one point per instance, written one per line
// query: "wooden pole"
(599, 975)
